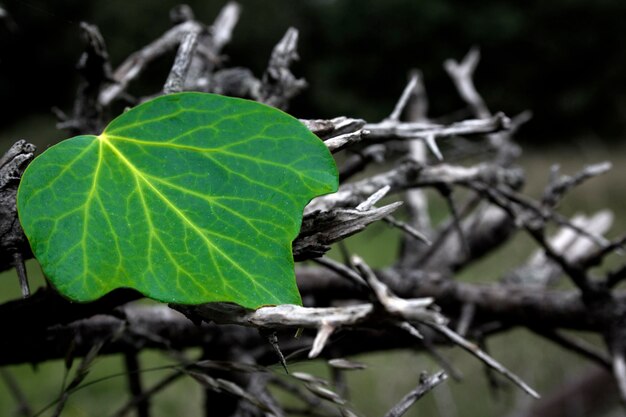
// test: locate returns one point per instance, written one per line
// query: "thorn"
(409, 230)
(323, 333)
(273, 340)
(404, 98)
(18, 262)
(373, 199)
(432, 145)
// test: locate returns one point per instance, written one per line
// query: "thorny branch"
(349, 308)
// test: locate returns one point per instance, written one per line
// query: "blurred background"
(565, 60)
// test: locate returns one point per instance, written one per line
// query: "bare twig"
(373, 199)
(462, 74)
(410, 174)
(342, 270)
(393, 305)
(95, 69)
(337, 143)
(595, 257)
(410, 231)
(176, 80)
(540, 271)
(220, 385)
(388, 129)
(360, 160)
(446, 192)
(201, 75)
(273, 341)
(320, 229)
(488, 360)
(536, 229)
(79, 375)
(134, 65)
(133, 372)
(291, 316)
(279, 84)
(560, 186)
(225, 22)
(442, 235)
(416, 199)
(534, 214)
(425, 385)
(327, 129)
(486, 228)
(579, 346)
(409, 90)
(445, 363)
(468, 310)
(313, 402)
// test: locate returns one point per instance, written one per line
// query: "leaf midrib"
(103, 139)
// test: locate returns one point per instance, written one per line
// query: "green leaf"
(188, 198)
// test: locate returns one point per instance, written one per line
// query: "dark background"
(563, 59)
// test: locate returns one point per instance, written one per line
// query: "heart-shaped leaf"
(188, 198)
